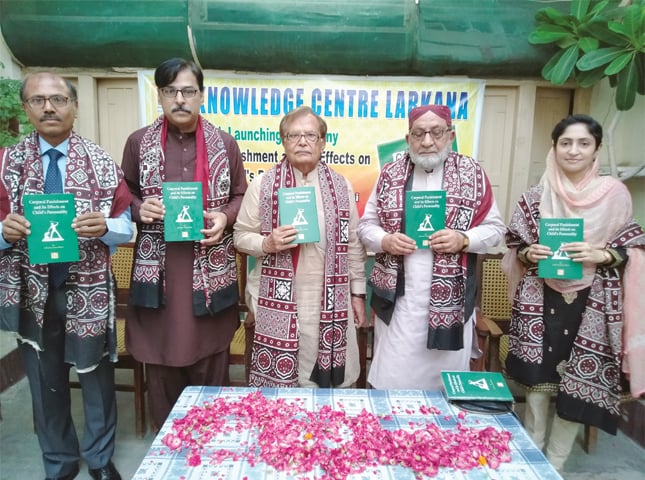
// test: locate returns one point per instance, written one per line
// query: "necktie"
(53, 179)
(54, 184)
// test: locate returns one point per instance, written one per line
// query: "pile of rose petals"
(290, 438)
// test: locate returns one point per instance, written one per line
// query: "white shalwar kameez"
(401, 359)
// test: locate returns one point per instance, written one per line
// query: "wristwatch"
(466, 242)
(359, 295)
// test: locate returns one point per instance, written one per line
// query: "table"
(527, 462)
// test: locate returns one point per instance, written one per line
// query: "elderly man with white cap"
(419, 295)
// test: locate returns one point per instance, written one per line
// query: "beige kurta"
(309, 275)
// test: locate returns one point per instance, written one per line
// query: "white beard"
(432, 160)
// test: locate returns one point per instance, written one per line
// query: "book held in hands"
(425, 213)
(297, 207)
(184, 217)
(52, 238)
(554, 233)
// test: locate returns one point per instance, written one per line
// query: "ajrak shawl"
(214, 268)
(275, 349)
(592, 373)
(98, 186)
(468, 200)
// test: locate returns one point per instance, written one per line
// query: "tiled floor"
(615, 458)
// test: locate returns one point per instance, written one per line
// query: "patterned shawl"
(98, 186)
(592, 373)
(214, 269)
(275, 349)
(468, 200)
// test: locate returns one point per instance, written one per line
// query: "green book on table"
(553, 233)
(425, 213)
(297, 207)
(184, 217)
(476, 386)
(52, 238)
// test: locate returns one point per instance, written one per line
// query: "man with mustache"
(419, 295)
(306, 298)
(63, 314)
(182, 313)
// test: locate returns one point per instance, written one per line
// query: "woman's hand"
(537, 252)
(586, 253)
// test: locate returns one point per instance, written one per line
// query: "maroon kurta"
(172, 335)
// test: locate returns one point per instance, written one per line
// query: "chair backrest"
(122, 269)
(241, 261)
(492, 288)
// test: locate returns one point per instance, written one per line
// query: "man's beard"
(430, 161)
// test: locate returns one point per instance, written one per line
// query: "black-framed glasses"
(435, 133)
(171, 92)
(310, 137)
(57, 101)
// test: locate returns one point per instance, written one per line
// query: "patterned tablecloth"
(527, 461)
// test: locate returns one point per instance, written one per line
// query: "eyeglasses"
(295, 137)
(57, 101)
(435, 133)
(171, 92)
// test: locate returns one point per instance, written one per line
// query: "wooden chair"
(493, 307)
(122, 267)
(242, 343)
(365, 350)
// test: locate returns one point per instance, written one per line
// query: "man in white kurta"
(401, 357)
(303, 155)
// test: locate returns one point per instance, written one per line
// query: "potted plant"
(597, 40)
(13, 119)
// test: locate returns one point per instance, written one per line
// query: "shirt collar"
(45, 146)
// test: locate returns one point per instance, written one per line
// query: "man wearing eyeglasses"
(63, 314)
(307, 298)
(183, 296)
(419, 295)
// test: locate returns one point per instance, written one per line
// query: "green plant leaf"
(626, 87)
(548, 34)
(640, 68)
(631, 20)
(547, 69)
(566, 42)
(618, 28)
(579, 8)
(600, 30)
(618, 63)
(598, 7)
(587, 44)
(551, 15)
(563, 65)
(599, 57)
(590, 77)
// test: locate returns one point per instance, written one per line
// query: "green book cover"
(553, 233)
(184, 211)
(297, 207)
(476, 386)
(390, 151)
(425, 213)
(52, 238)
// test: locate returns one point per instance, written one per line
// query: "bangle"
(609, 258)
(359, 295)
(521, 254)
